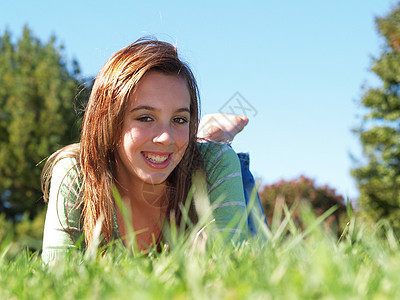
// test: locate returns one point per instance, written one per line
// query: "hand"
(221, 127)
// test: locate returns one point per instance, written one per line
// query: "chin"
(156, 178)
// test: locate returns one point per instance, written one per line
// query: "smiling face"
(155, 130)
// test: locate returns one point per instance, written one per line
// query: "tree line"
(39, 92)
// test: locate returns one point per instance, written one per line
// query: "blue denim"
(255, 209)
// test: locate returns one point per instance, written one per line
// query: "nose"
(164, 135)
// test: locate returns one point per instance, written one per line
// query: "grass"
(364, 263)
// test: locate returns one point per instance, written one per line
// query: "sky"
(296, 68)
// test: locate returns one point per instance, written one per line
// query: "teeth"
(156, 158)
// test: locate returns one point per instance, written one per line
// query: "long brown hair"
(101, 132)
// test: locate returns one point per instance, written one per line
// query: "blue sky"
(300, 65)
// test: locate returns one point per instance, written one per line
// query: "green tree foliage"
(37, 116)
(378, 177)
(302, 191)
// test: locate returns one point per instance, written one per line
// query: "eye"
(180, 120)
(145, 119)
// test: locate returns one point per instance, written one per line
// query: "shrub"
(304, 190)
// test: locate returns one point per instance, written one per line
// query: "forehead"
(158, 89)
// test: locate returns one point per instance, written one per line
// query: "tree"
(300, 190)
(378, 178)
(37, 116)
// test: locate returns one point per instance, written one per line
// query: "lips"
(157, 160)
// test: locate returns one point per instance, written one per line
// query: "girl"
(139, 134)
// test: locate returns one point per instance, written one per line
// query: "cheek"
(182, 139)
(132, 138)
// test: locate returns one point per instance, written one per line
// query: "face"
(155, 130)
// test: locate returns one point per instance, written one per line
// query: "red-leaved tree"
(304, 190)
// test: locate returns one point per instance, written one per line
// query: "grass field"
(311, 264)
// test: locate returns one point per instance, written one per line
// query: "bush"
(24, 234)
(303, 190)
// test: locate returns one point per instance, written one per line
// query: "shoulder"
(221, 164)
(61, 166)
(213, 153)
(66, 168)
(65, 164)
(65, 179)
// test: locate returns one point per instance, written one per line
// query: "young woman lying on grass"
(139, 134)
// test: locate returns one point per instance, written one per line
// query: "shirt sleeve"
(225, 190)
(62, 227)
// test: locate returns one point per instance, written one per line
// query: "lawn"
(292, 264)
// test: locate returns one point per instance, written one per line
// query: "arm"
(62, 226)
(225, 189)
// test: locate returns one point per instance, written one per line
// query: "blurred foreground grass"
(311, 264)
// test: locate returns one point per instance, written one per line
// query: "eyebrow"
(146, 107)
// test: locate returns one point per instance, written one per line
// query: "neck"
(141, 193)
(147, 206)
(154, 195)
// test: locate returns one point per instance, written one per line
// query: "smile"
(157, 160)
